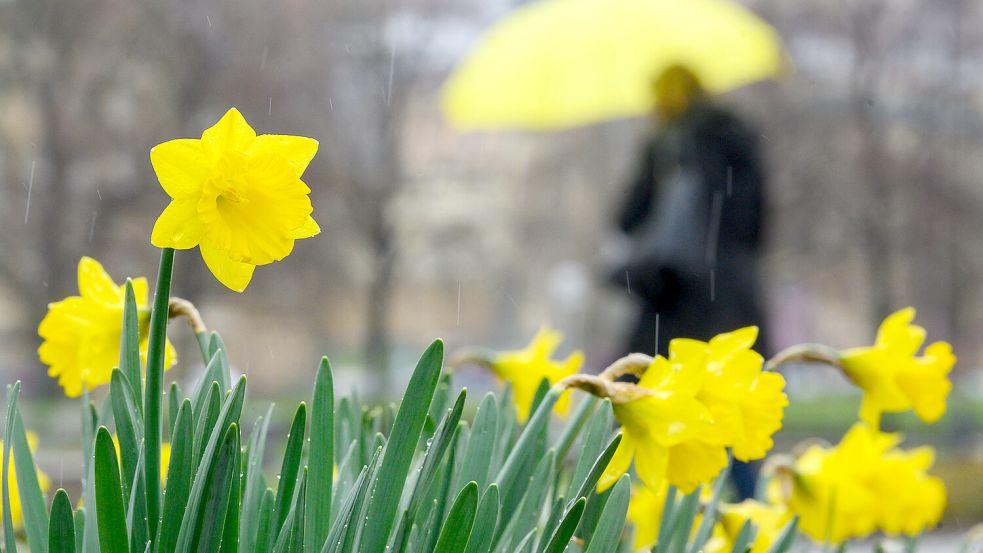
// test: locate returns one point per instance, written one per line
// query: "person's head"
(675, 89)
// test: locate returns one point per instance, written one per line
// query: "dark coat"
(694, 211)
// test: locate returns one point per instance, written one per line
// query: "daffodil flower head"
(746, 403)
(82, 333)
(691, 407)
(664, 427)
(839, 492)
(237, 196)
(768, 519)
(892, 375)
(524, 369)
(16, 509)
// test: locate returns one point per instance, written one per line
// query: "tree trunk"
(378, 339)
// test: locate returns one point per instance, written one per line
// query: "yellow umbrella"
(562, 63)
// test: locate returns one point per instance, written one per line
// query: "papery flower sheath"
(524, 369)
(82, 333)
(894, 378)
(237, 196)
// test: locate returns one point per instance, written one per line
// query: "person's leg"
(745, 478)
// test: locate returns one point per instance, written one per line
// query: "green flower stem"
(154, 402)
(202, 339)
(471, 357)
(182, 308)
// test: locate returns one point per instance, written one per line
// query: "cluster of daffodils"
(685, 411)
(683, 416)
(867, 483)
(237, 196)
(240, 200)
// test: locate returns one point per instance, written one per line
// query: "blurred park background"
(875, 196)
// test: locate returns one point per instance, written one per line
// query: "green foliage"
(61, 527)
(414, 478)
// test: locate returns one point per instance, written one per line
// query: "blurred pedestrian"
(694, 214)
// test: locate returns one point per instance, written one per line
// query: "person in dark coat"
(694, 215)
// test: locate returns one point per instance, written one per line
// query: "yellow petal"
(685, 350)
(296, 150)
(645, 513)
(693, 463)
(181, 167)
(926, 381)
(729, 342)
(233, 274)
(96, 284)
(178, 226)
(308, 229)
(231, 133)
(668, 418)
(898, 334)
(651, 461)
(619, 463)
(763, 409)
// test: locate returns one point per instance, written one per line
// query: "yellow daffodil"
(894, 378)
(16, 511)
(82, 333)
(769, 521)
(914, 506)
(526, 368)
(745, 403)
(664, 428)
(688, 409)
(645, 514)
(864, 484)
(238, 197)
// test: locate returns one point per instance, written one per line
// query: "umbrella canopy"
(561, 63)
